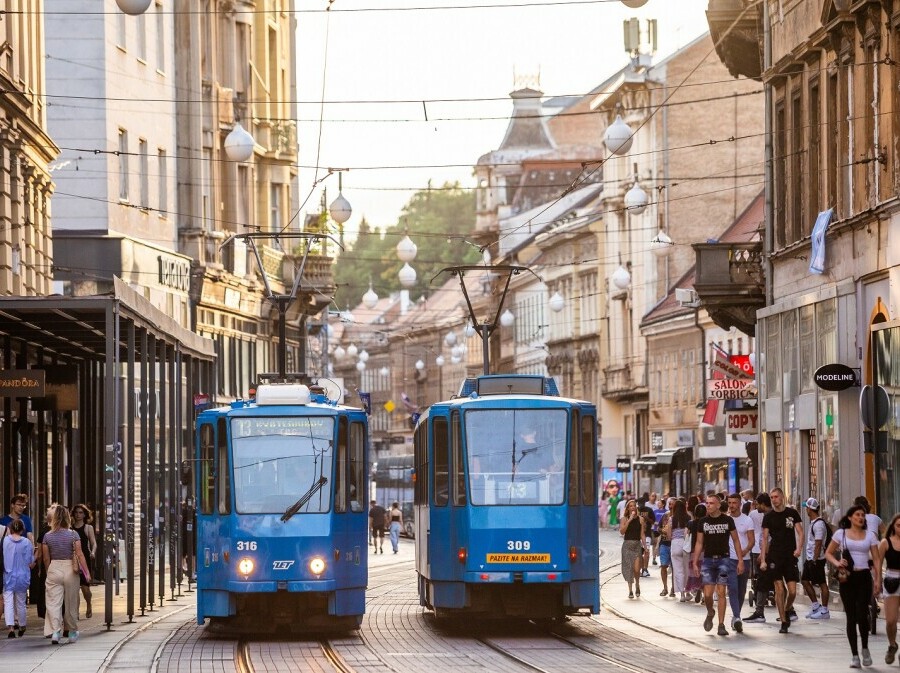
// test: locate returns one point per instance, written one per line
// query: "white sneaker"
(821, 614)
(854, 662)
(809, 615)
(866, 657)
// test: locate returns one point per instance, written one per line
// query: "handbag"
(688, 544)
(843, 573)
(77, 567)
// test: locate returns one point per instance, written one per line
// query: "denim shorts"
(665, 554)
(716, 570)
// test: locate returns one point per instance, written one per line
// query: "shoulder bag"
(688, 544)
(843, 573)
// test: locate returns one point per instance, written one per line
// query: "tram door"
(441, 524)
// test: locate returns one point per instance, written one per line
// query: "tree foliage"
(437, 221)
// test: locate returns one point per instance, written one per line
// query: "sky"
(386, 71)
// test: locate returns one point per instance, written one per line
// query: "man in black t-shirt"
(376, 523)
(713, 532)
(779, 549)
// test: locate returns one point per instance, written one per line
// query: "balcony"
(731, 283)
(741, 49)
(618, 383)
(316, 285)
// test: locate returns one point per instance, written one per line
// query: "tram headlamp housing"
(317, 565)
(246, 566)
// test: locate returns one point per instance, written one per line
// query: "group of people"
(378, 519)
(54, 568)
(717, 545)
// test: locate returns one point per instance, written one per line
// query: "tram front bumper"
(271, 586)
(524, 577)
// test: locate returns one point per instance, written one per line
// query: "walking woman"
(59, 546)
(680, 560)
(18, 560)
(850, 550)
(889, 550)
(633, 528)
(396, 526)
(82, 525)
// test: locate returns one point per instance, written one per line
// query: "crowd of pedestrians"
(711, 549)
(51, 571)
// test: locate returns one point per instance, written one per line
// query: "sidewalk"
(818, 646)
(96, 646)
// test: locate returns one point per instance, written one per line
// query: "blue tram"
(282, 520)
(506, 502)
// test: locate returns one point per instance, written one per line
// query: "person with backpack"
(818, 536)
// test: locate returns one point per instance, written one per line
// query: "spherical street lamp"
(439, 361)
(370, 299)
(420, 365)
(384, 371)
(406, 249)
(239, 144)
(470, 330)
(661, 244)
(340, 209)
(636, 200)
(556, 302)
(352, 350)
(407, 276)
(618, 137)
(339, 353)
(364, 355)
(634, 4)
(621, 278)
(133, 7)
(450, 338)
(507, 318)
(360, 366)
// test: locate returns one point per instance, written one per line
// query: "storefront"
(885, 403)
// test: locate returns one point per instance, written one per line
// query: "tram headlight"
(317, 565)
(246, 566)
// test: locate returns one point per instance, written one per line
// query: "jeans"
(716, 571)
(395, 535)
(737, 586)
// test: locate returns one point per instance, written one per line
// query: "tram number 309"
(246, 545)
(518, 545)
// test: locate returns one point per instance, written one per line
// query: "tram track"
(242, 661)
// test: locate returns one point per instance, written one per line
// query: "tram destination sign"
(730, 389)
(835, 377)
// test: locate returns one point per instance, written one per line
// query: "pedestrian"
(649, 519)
(603, 510)
(376, 525)
(59, 547)
(83, 518)
(678, 524)
(850, 551)
(17, 506)
(737, 585)
(760, 581)
(780, 549)
(713, 533)
(632, 528)
(873, 521)
(813, 576)
(889, 550)
(660, 509)
(18, 559)
(396, 526)
(664, 541)
(694, 582)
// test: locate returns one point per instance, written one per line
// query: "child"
(18, 558)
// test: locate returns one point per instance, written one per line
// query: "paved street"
(647, 634)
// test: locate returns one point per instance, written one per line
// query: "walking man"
(763, 583)
(737, 585)
(814, 565)
(782, 542)
(713, 533)
(376, 524)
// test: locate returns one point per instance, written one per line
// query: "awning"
(720, 452)
(667, 456)
(646, 462)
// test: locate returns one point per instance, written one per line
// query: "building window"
(815, 138)
(779, 137)
(160, 38)
(789, 342)
(121, 30)
(275, 206)
(123, 164)
(796, 220)
(142, 37)
(807, 348)
(163, 182)
(144, 168)
(773, 361)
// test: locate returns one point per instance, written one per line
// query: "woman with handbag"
(62, 556)
(632, 528)
(889, 548)
(849, 552)
(680, 559)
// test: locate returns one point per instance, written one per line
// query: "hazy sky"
(445, 54)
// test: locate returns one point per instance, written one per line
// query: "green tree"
(437, 221)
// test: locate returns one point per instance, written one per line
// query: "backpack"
(829, 533)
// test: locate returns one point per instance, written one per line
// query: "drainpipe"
(769, 208)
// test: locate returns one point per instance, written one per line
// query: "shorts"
(378, 531)
(890, 575)
(814, 572)
(783, 569)
(716, 570)
(665, 553)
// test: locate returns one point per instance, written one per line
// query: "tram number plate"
(518, 558)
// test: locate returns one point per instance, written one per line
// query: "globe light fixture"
(346, 316)
(352, 350)
(556, 302)
(507, 318)
(340, 209)
(450, 338)
(364, 355)
(239, 144)
(360, 366)
(621, 278)
(384, 371)
(370, 299)
(455, 360)
(133, 7)
(339, 353)
(407, 275)
(439, 361)
(456, 351)
(661, 244)
(406, 249)
(420, 365)
(618, 137)
(486, 257)
(636, 200)
(470, 330)
(634, 4)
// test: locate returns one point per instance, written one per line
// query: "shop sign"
(656, 441)
(741, 420)
(730, 389)
(22, 383)
(835, 377)
(623, 464)
(732, 369)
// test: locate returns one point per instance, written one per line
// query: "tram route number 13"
(518, 545)
(246, 545)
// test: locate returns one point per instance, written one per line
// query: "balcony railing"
(618, 383)
(736, 29)
(730, 282)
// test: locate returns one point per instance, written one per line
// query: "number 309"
(518, 545)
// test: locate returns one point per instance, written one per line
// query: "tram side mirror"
(187, 475)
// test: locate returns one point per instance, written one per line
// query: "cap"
(812, 503)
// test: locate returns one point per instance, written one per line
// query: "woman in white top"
(851, 548)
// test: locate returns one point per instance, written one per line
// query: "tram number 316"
(518, 545)
(246, 545)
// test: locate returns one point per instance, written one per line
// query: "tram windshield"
(277, 459)
(516, 456)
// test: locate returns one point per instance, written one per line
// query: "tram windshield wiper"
(293, 509)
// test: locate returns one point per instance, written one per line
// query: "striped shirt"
(59, 543)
